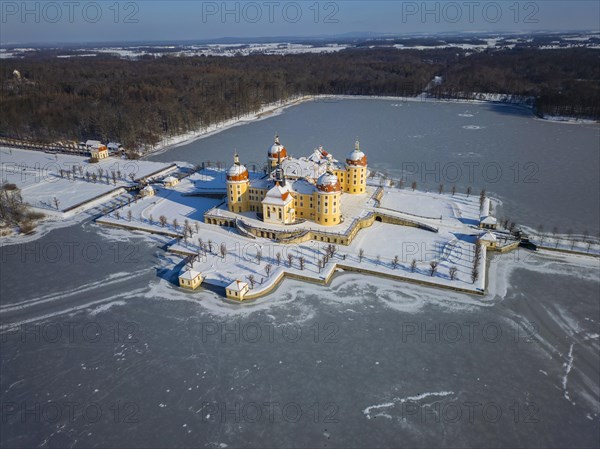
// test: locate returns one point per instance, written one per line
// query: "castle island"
(308, 217)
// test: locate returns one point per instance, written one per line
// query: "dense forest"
(136, 102)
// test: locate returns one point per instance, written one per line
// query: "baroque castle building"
(308, 188)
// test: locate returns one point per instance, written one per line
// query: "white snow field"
(37, 174)
(452, 246)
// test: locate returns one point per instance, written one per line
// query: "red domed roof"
(328, 182)
(237, 172)
(277, 150)
(356, 157)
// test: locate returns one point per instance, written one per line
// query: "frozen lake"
(109, 352)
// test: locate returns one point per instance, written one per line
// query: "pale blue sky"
(88, 21)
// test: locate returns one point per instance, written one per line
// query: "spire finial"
(236, 158)
(357, 144)
(277, 139)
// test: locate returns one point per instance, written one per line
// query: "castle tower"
(328, 205)
(276, 154)
(238, 184)
(356, 168)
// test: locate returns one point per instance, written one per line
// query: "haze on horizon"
(89, 22)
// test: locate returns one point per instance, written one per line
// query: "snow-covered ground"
(452, 246)
(37, 174)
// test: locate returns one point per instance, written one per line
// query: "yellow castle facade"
(309, 188)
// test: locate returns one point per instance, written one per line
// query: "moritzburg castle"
(309, 188)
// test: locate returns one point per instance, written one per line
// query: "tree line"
(138, 102)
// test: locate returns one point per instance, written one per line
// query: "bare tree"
(251, 279)
(223, 249)
(361, 254)
(56, 202)
(474, 274)
(258, 256)
(413, 266)
(210, 245)
(175, 224)
(268, 268)
(290, 259)
(453, 190)
(301, 262)
(452, 271)
(555, 235)
(330, 250)
(378, 259)
(278, 258)
(433, 267)
(200, 243)
(114, 178)
(151, 219)
(469, 190)
(481, 197)
(196, 227)
(414, 185)
(132, 176)
(129, 215)
(440, 188)
(395, 261)
(117, 215)
(163, 220)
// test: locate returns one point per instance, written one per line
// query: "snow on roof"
(169, 179)
(302, 168)
(189, 274)
(489, 220)
(355, 155)
(303, 187)
(148, 189)
(262, 183)
(327, 179)
(488, 237)
(275, 149)
(236, 169)
(113, 145)
(93, 143)
(237, 286)
(278, 195)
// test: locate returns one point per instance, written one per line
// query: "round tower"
(356, 167)
(276, 154)
(238, 183)
(329, 193)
